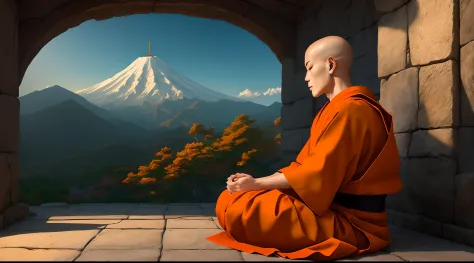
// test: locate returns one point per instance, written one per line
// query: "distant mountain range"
(56, 125)
(144, 107)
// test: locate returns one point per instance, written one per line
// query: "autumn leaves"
(210, 156)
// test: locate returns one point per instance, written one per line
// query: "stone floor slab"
(139, 224)
(436, 256)
(216, 221)
(77, 212)
(149, 212)
(46, 212)
(201, 255)
(189, 239)
(412, 246)
(128, 239)
(23, 254)
(196, 224)
(258, 257)
(62, 239)
(381, 256)
(120, 255)
(186, 212)
(34, 226)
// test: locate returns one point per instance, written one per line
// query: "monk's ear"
(332, 65)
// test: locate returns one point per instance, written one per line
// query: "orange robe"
(351, 150)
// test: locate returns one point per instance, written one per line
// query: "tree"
(277, 122)
(201, 167)
(196, 130)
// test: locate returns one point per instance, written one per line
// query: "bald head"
(328, 62)
(333, 47)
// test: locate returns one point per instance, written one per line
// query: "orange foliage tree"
(198, 172)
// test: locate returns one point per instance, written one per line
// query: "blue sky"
(214, 53)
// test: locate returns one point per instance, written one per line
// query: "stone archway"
(417, 55)
(30, 25)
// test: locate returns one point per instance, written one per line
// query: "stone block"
(318, 103)
(151, 212)
(9, 49)
(9, 123)
(399, 96)
(414, 246)
(190, 239)
(294, 88)
(364, 42)
(392, 42)
(292, 140)
(416, 222)
(431, 185)
(467, 84)
(125, 239)
(361, 14)
(190, 224)
(25, 254)
(404, 201)
(467, 21)
(403, 143)
(138, 224)
(432, 143)
(306, 33)
(466, 149)
(299, 114)
(333, 19)
(143, 255)
(289, 157)
(14, 164)
(385, 6)
(439, 96)
(459, 234)
(464, 211)
(15, 213)
(6, 182)
(364, 68)
(432, 31)
(201, 255)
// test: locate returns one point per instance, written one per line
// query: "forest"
(198, 172)
(190, 166)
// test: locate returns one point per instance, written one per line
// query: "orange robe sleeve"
(331, 159)
(298, 161)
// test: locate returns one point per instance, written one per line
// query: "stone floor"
(146, 232)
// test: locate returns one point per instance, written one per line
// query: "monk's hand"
(241, 182)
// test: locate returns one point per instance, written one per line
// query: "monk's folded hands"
(241, 182)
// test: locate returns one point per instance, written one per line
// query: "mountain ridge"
(148, 79)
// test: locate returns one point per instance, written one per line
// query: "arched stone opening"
(417, 55)
(38, 23)
(31, 25)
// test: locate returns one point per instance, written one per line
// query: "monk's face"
(317, 73)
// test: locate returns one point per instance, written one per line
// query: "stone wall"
(353, 20)
(10, 210)
(425, 48)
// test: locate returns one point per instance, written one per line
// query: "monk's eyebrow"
(306, 63)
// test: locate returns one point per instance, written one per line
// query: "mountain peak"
(149, 79)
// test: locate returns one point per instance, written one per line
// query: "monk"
(330, 202)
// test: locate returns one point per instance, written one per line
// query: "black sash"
(368, 203)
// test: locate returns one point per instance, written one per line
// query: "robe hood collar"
(354, 90)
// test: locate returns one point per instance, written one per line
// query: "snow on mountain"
(148, 79)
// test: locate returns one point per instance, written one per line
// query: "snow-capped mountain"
(148, 79)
